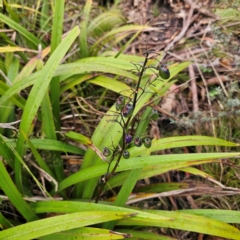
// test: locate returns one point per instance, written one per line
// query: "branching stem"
(124, 128)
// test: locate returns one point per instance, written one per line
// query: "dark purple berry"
(138, 142)
(128, 138)
(164, 72)
(127, 110)
(106, 152)
(126, 154)
(147, 142)
(120, 103)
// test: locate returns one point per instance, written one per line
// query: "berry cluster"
(125, 107)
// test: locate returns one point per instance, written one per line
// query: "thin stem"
(139, 80)
(124, 128)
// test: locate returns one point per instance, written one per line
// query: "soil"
(186, 30)
(204, 98)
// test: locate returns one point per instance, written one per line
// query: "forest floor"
(206, 102)
(206, 34)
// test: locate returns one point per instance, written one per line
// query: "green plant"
(42, 106)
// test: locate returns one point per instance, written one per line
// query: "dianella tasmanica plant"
(128, 117)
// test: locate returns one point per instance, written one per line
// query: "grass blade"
(86, 233)
(54, 145)
(38, 157)
(29, 36)
(48, 129)
(14, 98)
(59, 223)
(182, 141)
(80, 67)
(188, 222)
(169, 161)
(45, 13)
(55, 40)
(167, 219)
(83, 26)
(154, 170)
(7, 109)
(145, 235)
(13, 194)
(37, 93)
(57, 24)
(227, 216)
(4, 222)
(51, 118)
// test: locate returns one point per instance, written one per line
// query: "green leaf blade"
(37, 93)
(59, 223)
(13, 194)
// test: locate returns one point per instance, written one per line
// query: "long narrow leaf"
(59, 223)
(20, 160)
(154, 170)
(55, 40)
(13, 194)
(54, 145)
(227, 216)
(88, 65)
(188, 222)
(174, 219)
(65, 69)
(29, 36)
(87, 233)
(37, 93)
(140, 162)
(145, 235)
(84, 23)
